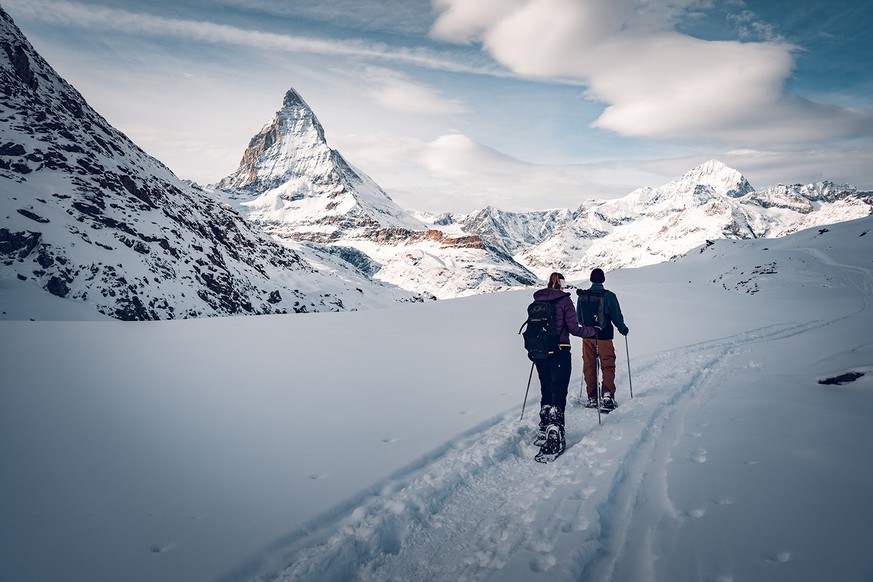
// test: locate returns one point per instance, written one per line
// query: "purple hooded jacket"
(565, 315)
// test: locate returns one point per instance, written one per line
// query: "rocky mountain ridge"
(712, 201)
(88, 216)
(297, 188)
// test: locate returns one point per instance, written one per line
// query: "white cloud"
(454, 172)
(394, 90)
(749, 26)
(655, 81)
(67, 13)
(464, 22)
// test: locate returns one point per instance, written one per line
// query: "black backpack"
(591, 307)
(541, 335)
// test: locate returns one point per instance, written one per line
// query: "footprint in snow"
(542, 562)
(317, 476)
(582, 494)
(161, 548)
(389, 441)
(698, 456)
(781, 557)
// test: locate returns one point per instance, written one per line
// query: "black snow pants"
(554, 375)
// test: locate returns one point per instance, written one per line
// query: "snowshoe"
(545, 417)
(607, 404)
(592, 402)
(554, 445)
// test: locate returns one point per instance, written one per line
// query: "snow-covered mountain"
(512, 231)
(88, 216)
(294, 186)
(299, 188)
(711, 202)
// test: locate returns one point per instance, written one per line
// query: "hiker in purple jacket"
(554, 371)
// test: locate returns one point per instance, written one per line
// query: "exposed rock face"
(89, 216)
(292, 184)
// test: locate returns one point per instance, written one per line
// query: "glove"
(588, 331)
(623, 331)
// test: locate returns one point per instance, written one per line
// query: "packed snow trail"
(486, 510)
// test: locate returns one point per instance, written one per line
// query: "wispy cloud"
(66, 13)
(655, 82)
(403, 17)
(397, 91)
(455, 172)
(749, 26)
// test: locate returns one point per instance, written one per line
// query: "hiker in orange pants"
(606, 350)
(599, 308)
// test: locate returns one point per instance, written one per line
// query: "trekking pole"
(597, 377)
(629, 381)
(529, 378)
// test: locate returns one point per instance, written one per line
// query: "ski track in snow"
(526, 518)
(866, 275)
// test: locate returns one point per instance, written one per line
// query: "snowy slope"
(297, 188)
(86, 215)
(386, 444)
(295, 185)
(710, 202)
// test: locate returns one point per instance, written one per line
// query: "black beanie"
(597, 276)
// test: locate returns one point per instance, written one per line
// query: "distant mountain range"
(292, 184)
(88, 216)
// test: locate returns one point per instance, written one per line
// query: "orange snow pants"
(607, 366)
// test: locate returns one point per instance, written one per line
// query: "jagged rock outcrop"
(294, 186)
(88, 216)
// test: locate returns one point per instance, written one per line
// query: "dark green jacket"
(612, 312)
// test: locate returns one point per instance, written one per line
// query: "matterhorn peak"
(293, 99)
(293, 138)
(302, 188)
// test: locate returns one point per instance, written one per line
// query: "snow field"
(386, 444)
(500, 516)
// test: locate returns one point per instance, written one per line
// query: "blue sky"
(459, 104)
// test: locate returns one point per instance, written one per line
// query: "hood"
(549, 294)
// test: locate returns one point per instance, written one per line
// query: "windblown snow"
(387, 444)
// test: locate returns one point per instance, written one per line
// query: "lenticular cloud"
(655, 82)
